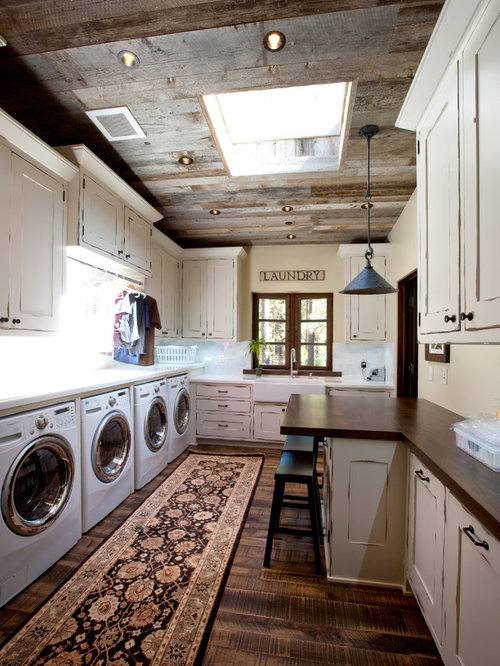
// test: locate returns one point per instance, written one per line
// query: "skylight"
(280, 130)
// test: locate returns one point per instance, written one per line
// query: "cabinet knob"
(4, 320)
(470, 533)
(209, 334)
(203, 333)
(452, 318)
(127, 256)
(120, 251)
(16, 321)
(469, 316)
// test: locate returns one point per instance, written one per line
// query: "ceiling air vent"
(116, 124)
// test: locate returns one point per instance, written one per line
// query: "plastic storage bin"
(487, 452)
(175, 354)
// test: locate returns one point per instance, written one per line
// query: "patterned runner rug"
(149, 593)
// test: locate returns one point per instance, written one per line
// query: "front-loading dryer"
(150, 431)
(40, 476)
(180, 414)
(107, 458)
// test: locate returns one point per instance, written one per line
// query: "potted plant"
(256, 346)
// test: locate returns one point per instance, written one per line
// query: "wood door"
(37, 247)
(407, 365)
(137, 241)
(472, 590)
(425, 557)
(221, 305)
(5, 203)
(439, 211)
(194, 299)
(481, 147)
(366, 314)
(102, 224)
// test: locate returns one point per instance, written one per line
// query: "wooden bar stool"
(295, 467)
(307, 444)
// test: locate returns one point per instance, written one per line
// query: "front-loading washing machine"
(180, 414)
(107, 458)
(150, 431)
(40, 476)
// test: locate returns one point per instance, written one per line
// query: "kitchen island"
(404, 506)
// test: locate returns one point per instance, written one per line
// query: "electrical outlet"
(444, 375)
(221, 358)
(430, 376)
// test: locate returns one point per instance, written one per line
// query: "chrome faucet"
(293, 359)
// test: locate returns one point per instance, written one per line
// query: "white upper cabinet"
(210, 294)
(481, 173)
(366, 316)
(163, 285)
(439, 211)
(453, 105)
(32, 229)
(108, 218)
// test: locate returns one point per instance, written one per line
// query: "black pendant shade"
(368, 281)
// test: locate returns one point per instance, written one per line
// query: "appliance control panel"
(58, 417)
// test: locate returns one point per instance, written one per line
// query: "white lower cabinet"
(224, 411)
(471, 590)
(267, 419)
(367, 511)
(425, 556)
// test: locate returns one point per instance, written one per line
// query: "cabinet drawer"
(224, 391)
(223, 405)
(228, 426)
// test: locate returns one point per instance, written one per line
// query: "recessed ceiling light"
(274, 41)
(214, 211)
(366, 205)
(291, 236)
(186, 160)
(128, 59)
(287, 209)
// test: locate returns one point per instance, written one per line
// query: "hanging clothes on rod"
(136, 315)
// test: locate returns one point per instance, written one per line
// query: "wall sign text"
(292, 276)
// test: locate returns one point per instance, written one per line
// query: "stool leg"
(274, 518)
(314, 510)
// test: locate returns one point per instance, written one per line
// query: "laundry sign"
(292, 276)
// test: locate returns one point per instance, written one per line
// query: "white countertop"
(343, 382)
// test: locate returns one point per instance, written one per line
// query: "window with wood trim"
(303, 322)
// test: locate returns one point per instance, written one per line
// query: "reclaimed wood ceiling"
(61, 60)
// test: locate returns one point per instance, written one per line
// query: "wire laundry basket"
(175, 354)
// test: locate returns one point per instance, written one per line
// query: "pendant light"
(368, 281)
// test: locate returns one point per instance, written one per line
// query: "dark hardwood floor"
(286, 615)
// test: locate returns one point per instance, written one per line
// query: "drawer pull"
(470, 533)
(223, 425)
(222, 405)
(221, 391)
(420, 474)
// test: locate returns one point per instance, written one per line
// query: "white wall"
(474, 370)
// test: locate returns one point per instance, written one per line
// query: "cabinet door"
(194, 301)
(220, 299)
(267, 422)
(170, 289)
(5, 193)
(471, 590)
(439, 211)
(137, 241)
(366, 315)
(426, 544)
(102, 219)
(37, 247)
(481, 147)
(368, 514)
(154, 282)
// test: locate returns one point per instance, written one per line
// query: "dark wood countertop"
(422, 425)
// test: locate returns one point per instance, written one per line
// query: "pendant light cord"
(368, 196)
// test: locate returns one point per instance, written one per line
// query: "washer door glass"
(182, 411)
(155, 425)
(38, 485)
(111, 447)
